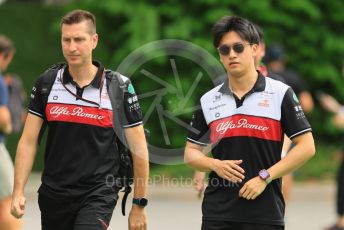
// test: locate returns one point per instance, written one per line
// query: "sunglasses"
(237, 48)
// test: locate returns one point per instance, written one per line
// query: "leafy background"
(310, 30)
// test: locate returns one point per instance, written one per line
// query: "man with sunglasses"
(78, 190)
(242, 121)
(198, 178)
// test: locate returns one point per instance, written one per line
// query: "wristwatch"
(265, 176)
(142, 202)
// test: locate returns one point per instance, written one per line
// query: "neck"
(83, 75)
(240, 85)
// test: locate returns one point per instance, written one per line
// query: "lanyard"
(84, 99)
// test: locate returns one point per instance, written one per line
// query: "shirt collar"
(259, 86)
(67, 78)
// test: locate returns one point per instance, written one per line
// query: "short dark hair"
(6, 45)
(274, 52)
(242, 26)
(260, 32)
(77, 16)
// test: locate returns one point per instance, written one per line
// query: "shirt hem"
(196, 142)
(35, 113)
(301, 132)
(250, 221)
(132, 125)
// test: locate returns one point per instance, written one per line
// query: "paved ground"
(170, 208)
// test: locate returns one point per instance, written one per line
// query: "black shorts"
(228, 225)
(91, 212)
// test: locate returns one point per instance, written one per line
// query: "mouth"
(233, 63)
(73, 56)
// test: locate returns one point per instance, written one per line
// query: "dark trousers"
(340, 189)
(92, 212)
(227, 225)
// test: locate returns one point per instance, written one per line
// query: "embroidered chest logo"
(222, 127)
(57, 111)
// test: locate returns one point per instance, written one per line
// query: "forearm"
(296, 157)
(286, 144)
(23, 164)
(138, 148)
(141, 173)
(196, 157)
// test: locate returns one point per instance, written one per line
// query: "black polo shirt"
(290, 78)
(251, 129)
(80, 153)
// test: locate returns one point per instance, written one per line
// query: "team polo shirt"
(81, 153)
(250, 129)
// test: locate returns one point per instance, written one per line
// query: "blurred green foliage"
(308, 29)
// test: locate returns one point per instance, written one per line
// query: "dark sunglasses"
(237, 48)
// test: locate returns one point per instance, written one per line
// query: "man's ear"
(254, 50)
(95, 40)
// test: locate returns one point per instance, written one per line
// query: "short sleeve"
(199, 132)
(132, 115)
(293, 119)
(3, 93)
(36, 103)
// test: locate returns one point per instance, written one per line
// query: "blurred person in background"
(332, 105)
(17, 96)
(276, 61)
(7, 222)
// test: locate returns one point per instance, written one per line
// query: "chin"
(74, 63)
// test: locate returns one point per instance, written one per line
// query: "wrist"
(265, 176)
(17, 192)
(214, 164)
(140, 202)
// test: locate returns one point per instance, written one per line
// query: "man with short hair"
(81, 152)
(7, 222)
(243, 121)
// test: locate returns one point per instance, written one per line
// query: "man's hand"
(229, 170)
(137, 218)
(18, 206)
(199, 182)
(252, 188)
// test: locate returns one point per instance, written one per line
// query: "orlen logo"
(222, 127)
(56, 111)
(264, 103)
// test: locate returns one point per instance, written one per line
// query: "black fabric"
(221, 198)
(199, 131)
(292, 79)
(276, 77)
(226, 225)
(293, 118)
(91, 212)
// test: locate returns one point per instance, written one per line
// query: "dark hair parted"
(6, 45)
(245, 29)
(77, 16)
